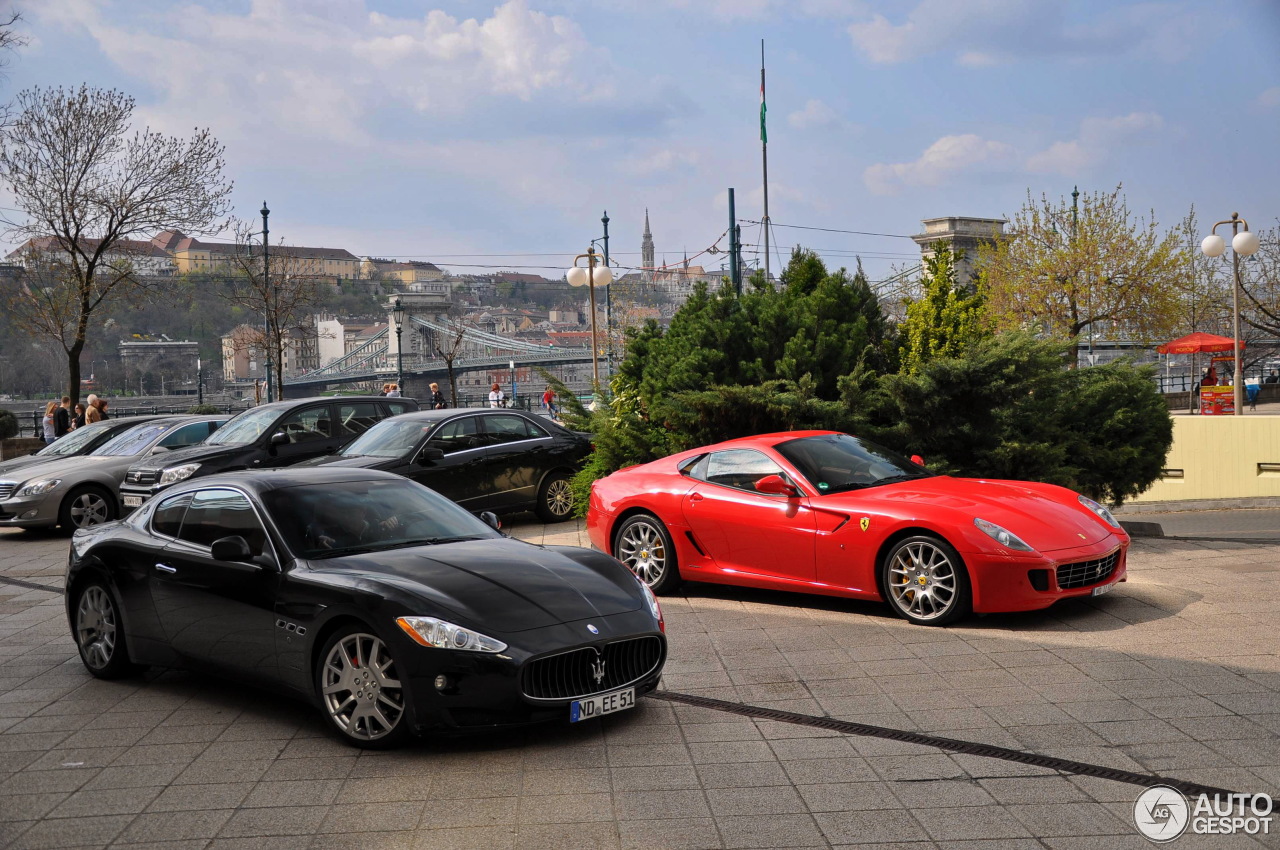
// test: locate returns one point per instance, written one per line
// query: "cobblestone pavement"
(1175, 673)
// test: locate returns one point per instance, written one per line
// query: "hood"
(163, 460)
(1044, 522)
(10, 467)
(60, 467)
(357, 462)
(503, 585)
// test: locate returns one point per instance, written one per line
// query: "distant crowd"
(61, 418)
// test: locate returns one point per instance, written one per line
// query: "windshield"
(389, 438)
(132, 441)
(73, 443)
(350, 517)
(245, 428)
(833, 463)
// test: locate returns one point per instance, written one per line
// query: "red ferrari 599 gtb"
(824, 512)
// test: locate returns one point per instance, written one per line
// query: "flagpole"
(764, 157)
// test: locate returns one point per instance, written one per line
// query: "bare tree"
(87, 188)
(285, 296)
(450, 344)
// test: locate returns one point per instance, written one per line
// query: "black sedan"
(485, 460)
(388, 606)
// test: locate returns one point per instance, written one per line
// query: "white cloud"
(989, 32)
(816, 115)
(1098, 137)
(943, 159)
(1270, 98)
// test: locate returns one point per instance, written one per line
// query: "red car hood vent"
(1044, 522)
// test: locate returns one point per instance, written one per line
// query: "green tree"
(946, 320)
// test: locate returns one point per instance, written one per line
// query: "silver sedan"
(77, 492)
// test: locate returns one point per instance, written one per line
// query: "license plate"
(133, 501)
(1105, 588)
(585, 709)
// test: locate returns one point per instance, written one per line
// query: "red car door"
(745, 530)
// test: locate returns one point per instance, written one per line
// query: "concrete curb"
(1198, 505)
(1143, 529)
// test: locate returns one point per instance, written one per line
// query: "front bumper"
(31, 511)
(141, 492)
(1035, 580)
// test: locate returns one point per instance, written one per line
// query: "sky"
(482, 135)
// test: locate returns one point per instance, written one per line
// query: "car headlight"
(1104, 514)
(38, 488)
(439, 634)
(654, 608)
(1001, 535)
(174, 474)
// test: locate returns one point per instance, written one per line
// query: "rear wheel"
(925, 581)
(359, 686)
(98, 633)
(555, 498)
(643, 545)
(84, 507)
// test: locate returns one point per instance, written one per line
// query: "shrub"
(8, 424)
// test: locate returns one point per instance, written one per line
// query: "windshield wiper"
(906, 476)
(431, 541)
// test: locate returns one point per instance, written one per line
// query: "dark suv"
(278, 434)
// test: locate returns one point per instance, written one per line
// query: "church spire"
(646, 245)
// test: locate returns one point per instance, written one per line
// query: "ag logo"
(864, 523)
(1161, 813)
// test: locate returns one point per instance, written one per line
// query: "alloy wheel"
(559, 497)
(643, 550)
(922, 581)
(96, 627)
(89, 508)
(361, 687)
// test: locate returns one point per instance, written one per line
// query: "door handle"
(695, 497)
(165, 568)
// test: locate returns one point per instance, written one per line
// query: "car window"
(833, 463)
(456, 435)
(187, 435)
(737, 468)
(398, 407)
(245, 428)
(217, 513)
(356, 418)
(506, 428)
(74, 442)
(167, 519)
(307, 425)
(133, 441)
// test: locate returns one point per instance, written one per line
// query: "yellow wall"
(1219, 457)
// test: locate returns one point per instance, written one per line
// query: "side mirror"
(159, 450)
(917, 460)
(775, 485)
(279, 438)
(231, 549)
(490, 519)
(430, 453)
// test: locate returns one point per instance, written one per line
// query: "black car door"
(519, 453)
(214, 612)
(308, 432)
(460, 475)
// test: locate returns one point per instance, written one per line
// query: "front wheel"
(555, 498)
(99, 634)
(925, 581)
(643, 545)
(85, 507)
(359, 686)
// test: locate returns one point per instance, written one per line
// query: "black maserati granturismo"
(391, 608)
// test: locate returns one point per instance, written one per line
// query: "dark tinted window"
(835, 462)
(357, 417)
(456, 435)
(738, 468)
(307, 425)
(398, 407)
(217, 513)
(507, 428)
(187, 435)
(167, 519)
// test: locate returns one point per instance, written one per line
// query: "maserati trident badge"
(597, 670)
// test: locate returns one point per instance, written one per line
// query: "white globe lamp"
(1213, 246)
(1245, 243)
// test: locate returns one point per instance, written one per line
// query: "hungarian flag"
(764, 137)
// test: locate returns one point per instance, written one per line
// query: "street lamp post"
(199, 382)
(266, 284)
(608, 307)
(1246, 243)
(591, 277)
(397, 312)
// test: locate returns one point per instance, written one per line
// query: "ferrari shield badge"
(864, 523)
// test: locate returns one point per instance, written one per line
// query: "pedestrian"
(102, 410)
(49, 423)
(497, 398)
(393, 391)
(62, 417)
(1273, 378)
(78, 420)
(437, 397)
(92, 413)
(386, 388)
(549, 403)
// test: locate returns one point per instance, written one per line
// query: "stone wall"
(19, 447)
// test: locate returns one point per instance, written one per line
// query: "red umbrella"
(1199, 342)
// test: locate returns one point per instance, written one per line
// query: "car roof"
(291, 402)
(437, 415)
(264, 480)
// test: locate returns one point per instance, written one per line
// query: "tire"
(643, 545)
(925, 582)
(555, 498)
(98, 632)
(358, 683)
(84, 507)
